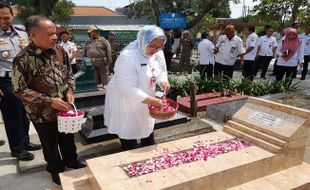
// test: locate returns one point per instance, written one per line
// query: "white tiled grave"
(278, 132)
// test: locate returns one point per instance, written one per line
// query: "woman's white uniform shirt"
(298, 57)
(125, 114)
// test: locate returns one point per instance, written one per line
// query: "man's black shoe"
(76, 165)
(32, 147)
(302, 78)
(24, 155)
(56, 178)
(2, 142)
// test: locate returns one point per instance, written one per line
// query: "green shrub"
(180, 85)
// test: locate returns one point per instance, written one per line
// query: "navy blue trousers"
(14, 116)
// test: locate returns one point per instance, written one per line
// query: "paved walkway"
(11, 179)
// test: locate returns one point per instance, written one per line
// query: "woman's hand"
(59, 104)
(164, 86)
(154, 101)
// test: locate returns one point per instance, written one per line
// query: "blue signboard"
(172, 20)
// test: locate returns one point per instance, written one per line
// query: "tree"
(194, 10)
(27, 8)
(279, 11)
(304, 16)
(62, 12)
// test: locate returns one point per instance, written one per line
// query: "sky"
(236, 9)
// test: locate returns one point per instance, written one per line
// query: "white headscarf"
(145, 36)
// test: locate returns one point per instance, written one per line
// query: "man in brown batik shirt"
(42, 78)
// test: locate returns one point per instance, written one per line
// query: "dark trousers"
(203, 69)
(14, 116)
(58, 148)
(168, 57)
(248, 68)
(133, 143)
(275, 67)
(101, 71)
(224, 70)
(74, 68)
(262, 62)
(305, 66)
(287, 71)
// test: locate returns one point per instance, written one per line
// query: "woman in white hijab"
(139, 67)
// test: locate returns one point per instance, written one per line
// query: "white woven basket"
(70, 124)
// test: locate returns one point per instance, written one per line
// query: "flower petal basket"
(70, 121)
(168, 111)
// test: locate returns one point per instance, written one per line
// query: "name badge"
(232, 50)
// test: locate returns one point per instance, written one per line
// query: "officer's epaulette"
(20, 28)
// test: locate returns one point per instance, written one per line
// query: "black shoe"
(2, 142)
(32, 147)
(24, 155)
(302, 78)
(76, 165)
(56, 178)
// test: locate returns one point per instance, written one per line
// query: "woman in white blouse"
(140, 66)
(290, 53)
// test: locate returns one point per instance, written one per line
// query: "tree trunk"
(156, 11)
(295, 9)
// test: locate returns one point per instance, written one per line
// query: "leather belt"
(5, 74)
(96, 59)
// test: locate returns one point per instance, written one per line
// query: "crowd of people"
(36, 77)
(289, 49)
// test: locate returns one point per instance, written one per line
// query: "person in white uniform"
(228, 48)
(70, 49)
(139, 67)
(250, 53)
(267, 45)
(206, 56)
(290, 53)
(306, 42)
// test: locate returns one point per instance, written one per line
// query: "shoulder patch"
(20, 28)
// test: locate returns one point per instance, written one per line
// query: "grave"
(84, 79)
(278, 136)
(205, 100)
(94, 130)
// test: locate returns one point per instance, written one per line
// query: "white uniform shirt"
(266, 45)
(298, 57)
(206, 52)
(306, 42)
(228, 50)
(124, 113)
(70, 48)
(278, 37)
(251, 41)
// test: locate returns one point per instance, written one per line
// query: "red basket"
(162, 113)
